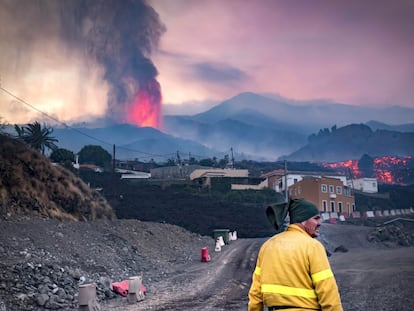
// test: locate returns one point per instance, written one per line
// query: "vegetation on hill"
(197, 210)
(353, 141)
(31, 185)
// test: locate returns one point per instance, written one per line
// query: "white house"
(129, 174)
(368, 185)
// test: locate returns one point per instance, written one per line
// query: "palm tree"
(36, 136)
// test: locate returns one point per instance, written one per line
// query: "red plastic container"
(205, 257)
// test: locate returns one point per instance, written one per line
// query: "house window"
(324, 188)
(340, 207)
(338, 189)
(347, 191)
(353, 207)
(324, 205)
(374, 185)
(331, 189)
(348, 208)
(295, 180)
(332, 206)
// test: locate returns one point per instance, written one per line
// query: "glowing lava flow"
(350, 166)
(145, 110)
(387, 169)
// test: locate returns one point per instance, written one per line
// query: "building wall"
(278, 181)
(173, 172)
(369, 185)
(329, 194)
(218, 172)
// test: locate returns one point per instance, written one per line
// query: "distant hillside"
(249, 126)
(31, 186)
(267, 128)
(352, 142)
(131, 141)
(374, 125)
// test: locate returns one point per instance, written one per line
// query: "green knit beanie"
(301, 210)
(276, 214)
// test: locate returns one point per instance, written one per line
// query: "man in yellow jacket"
(292, 270)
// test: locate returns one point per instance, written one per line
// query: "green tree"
(36, 136)
(192, 161)
(93, 154)
(170, 162)
(64, 157)
(224, 162)
(61, 155)
(207, 162)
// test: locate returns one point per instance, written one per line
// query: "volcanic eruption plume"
(76, 57)
(121, 36)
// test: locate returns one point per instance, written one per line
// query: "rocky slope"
(31, 185)
(43, 261)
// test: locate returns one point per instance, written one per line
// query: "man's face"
(311, 226)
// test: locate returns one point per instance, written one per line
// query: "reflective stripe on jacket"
(293, 270)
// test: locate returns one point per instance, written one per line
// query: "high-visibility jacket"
(293, 271)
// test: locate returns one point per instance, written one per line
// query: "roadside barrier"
(233, 236)
(325, 216)
(334, 216)
(218, 246)
(370, 214)
(87, 298)
(356, 215)
(205, 256)
(135, 293)
(221, 241)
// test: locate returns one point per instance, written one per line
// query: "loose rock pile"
(392, 233)
(43, 262)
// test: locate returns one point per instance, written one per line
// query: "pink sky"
(357, 52)
(351, 51)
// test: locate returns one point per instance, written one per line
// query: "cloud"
(355, 52)
(218, 73)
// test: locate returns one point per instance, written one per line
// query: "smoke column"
(117, 35)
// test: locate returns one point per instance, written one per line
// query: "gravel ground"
(44, 261)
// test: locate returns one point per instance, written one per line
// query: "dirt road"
(221, 284)
(376, 279)
(369, 279)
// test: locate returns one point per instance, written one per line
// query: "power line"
(50, 117)
(148, 155)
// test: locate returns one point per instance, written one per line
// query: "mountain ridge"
(253, 126)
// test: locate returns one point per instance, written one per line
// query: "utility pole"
(286, 186)
(178, 158)
(113, 159)
(232, 158)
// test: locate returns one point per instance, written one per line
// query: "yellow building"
(329, 194)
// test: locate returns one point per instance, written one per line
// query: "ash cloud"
(93, 44)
